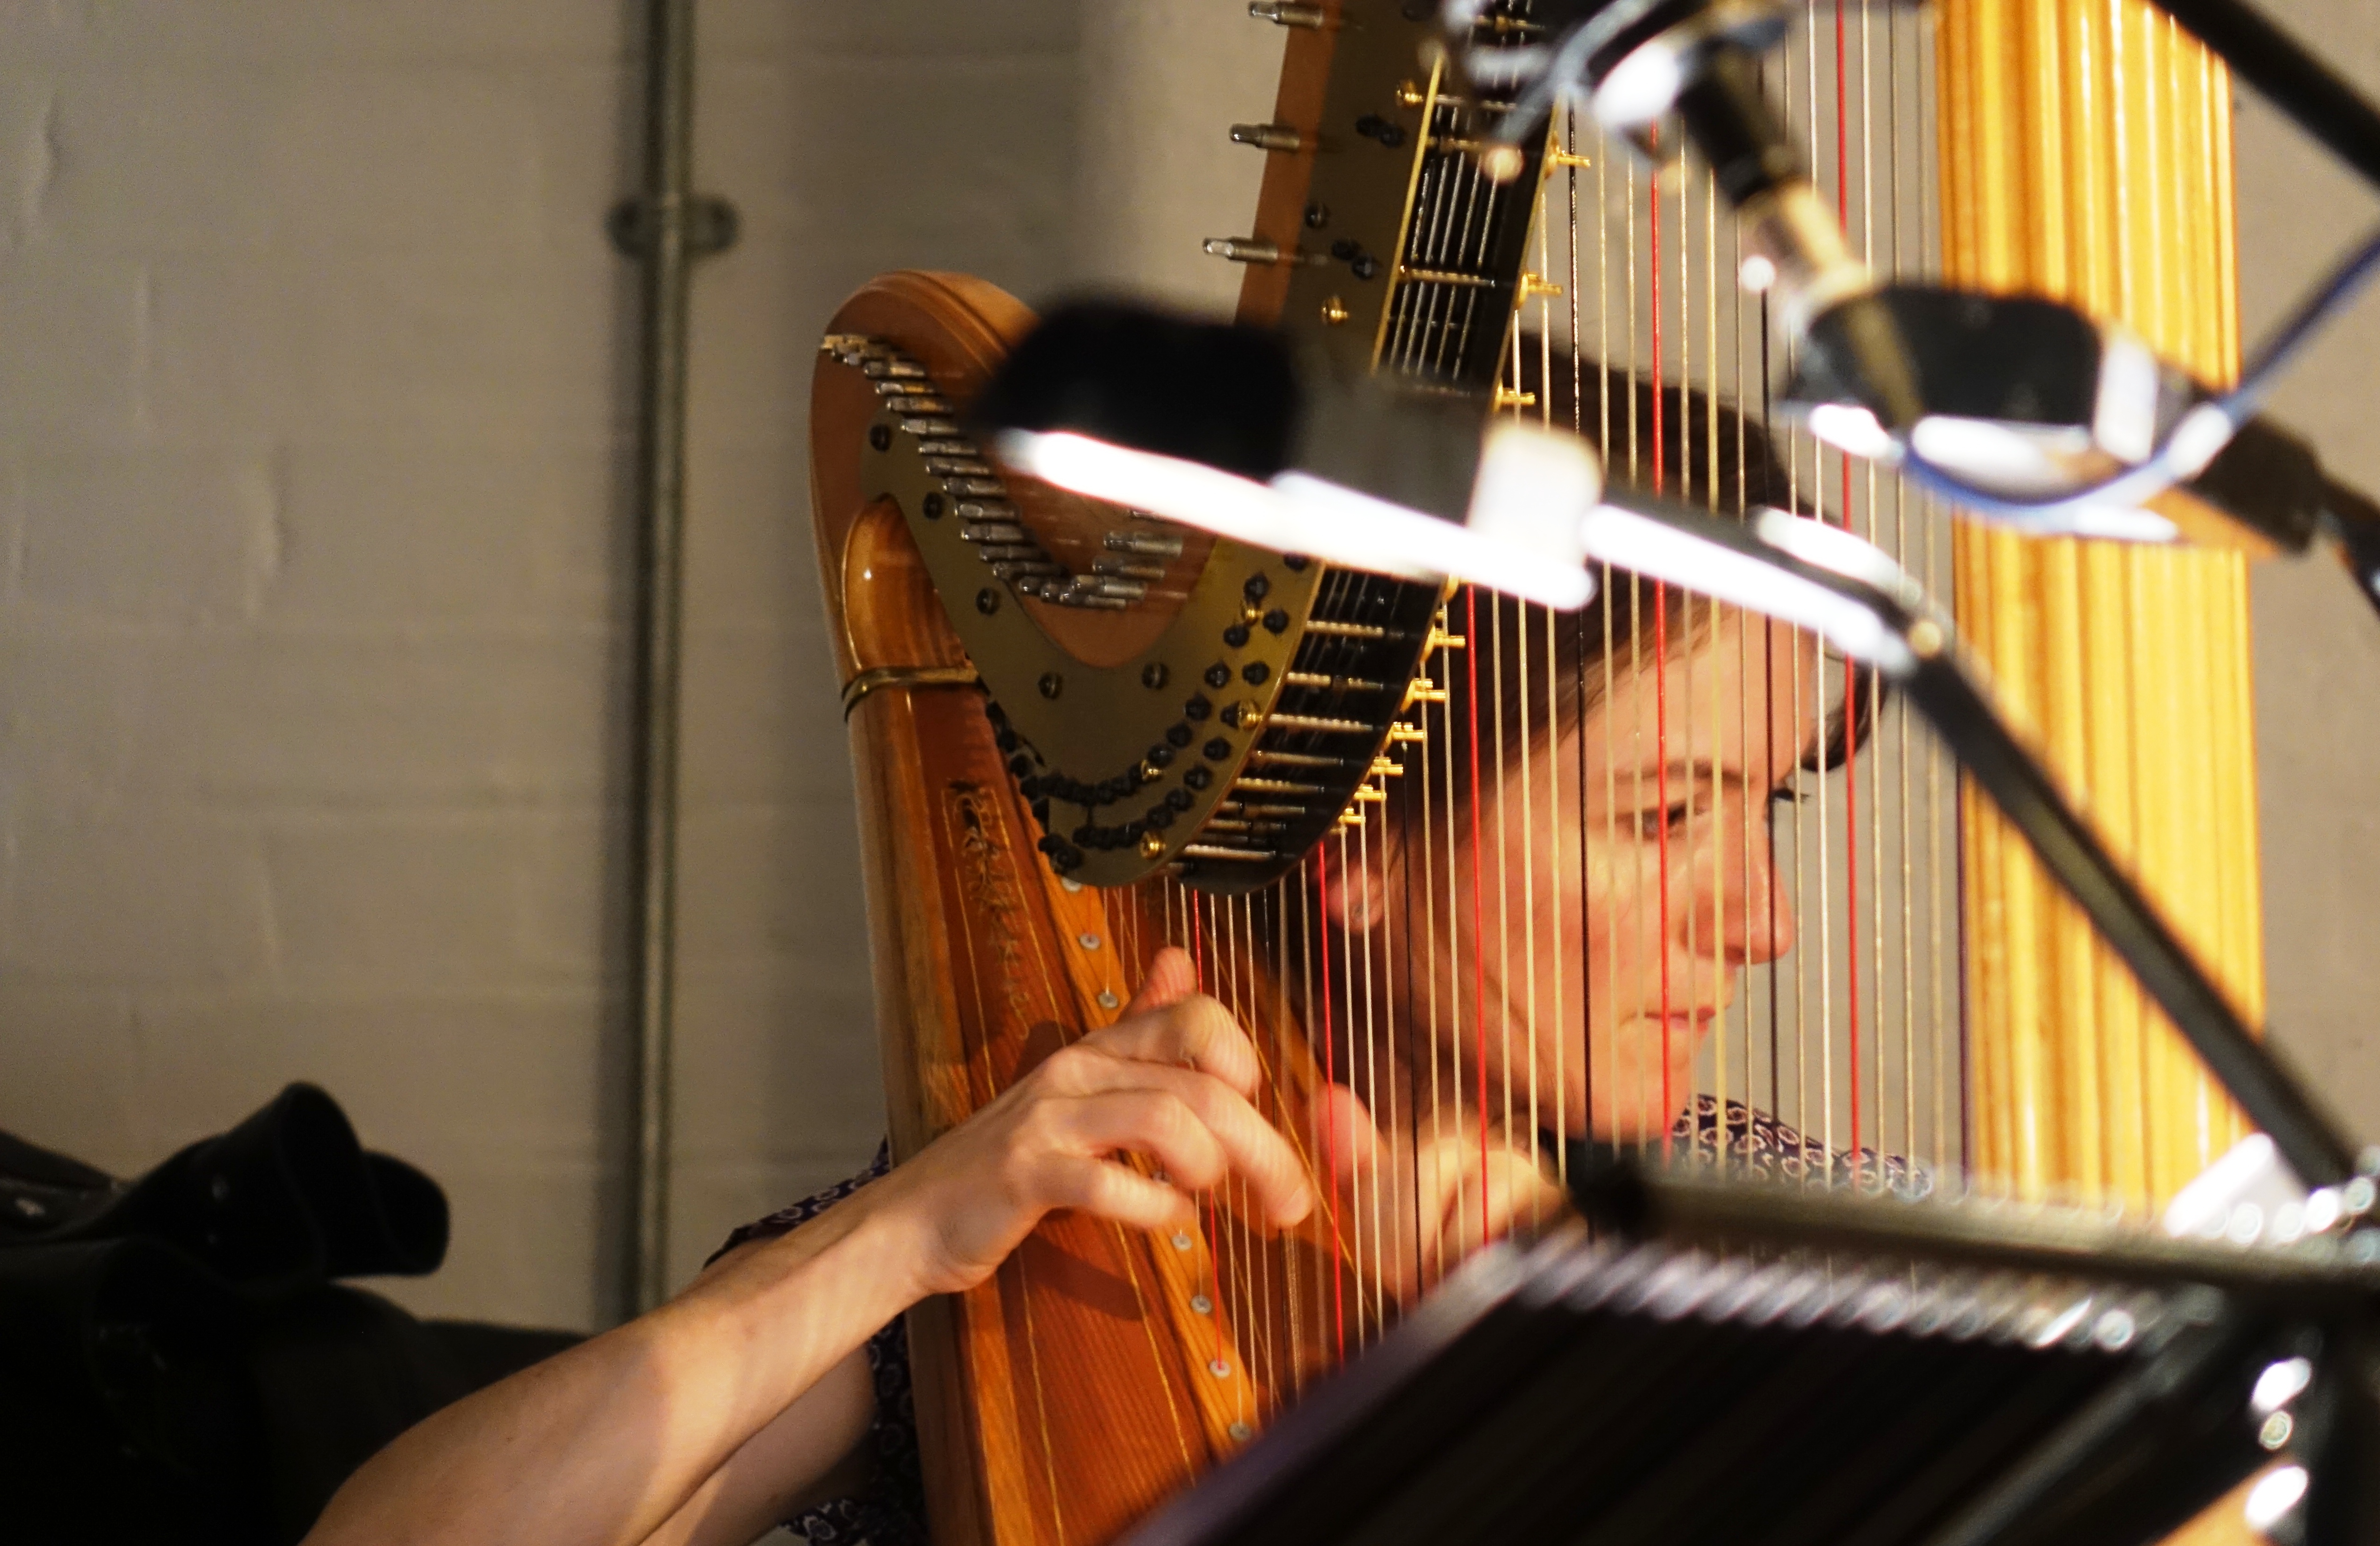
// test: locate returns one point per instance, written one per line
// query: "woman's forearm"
(599, 1446)
(686, 1422)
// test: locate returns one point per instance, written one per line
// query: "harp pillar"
(2086, 155)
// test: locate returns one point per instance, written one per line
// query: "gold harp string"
(1562, 943)
(1280, 1248)
(1360, 886)
(1528, 834)
(1236, 1213)
(1349, 1227)
(1874, 682)
(1261, 1237)
(1292, 1306)
(1450, 1053)
(1404, 797)
(1901, 550)
(1429, 946)
(1757, 804)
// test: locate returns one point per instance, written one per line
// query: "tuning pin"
(1244, 249)
(1267, 137)
(1281, 13)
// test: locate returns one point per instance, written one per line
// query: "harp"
(1079, 734)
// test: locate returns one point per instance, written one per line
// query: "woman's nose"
(1756, 923)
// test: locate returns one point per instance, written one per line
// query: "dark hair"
(1708, 453)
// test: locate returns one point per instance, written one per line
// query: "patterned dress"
(890, 1509)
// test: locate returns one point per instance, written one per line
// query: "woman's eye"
(1650, 824)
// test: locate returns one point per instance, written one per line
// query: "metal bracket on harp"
(877, 676)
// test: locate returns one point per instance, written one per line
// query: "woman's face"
(1595, 992)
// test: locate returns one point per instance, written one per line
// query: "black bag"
(177, 1360)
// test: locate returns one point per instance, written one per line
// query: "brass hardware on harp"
(1446, 277)
(875, 678)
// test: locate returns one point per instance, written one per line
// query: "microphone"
(1640, 61)
(2027, 400)
(2016, 409)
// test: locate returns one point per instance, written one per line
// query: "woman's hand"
(1459, 1189)
(1171, 1079)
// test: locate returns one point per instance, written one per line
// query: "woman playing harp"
(774, 1387)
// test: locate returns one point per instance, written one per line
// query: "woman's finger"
(1352, 1146)
(1113, 1191)
(1153, 1122)
(1197, 1030)
(1172, 977)
(1249, 1146)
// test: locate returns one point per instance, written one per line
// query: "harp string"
(1528, 851)
(1829, 1058)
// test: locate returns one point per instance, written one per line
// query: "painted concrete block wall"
(2317, 644)
(313, 443)
(313, 531)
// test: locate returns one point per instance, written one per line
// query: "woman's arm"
(698, 1419)
(606, 1442)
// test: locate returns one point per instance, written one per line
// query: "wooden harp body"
(1013, 663)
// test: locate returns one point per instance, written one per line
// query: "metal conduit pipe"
(666, 227)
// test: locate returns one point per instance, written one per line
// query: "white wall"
(313, 418)
(2317, 643)
(313, 427)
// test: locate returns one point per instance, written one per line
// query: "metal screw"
(1181, 1242)
(934, 507)
(987, 601)
(1201, 1305)
(2276, 1432)
(1089, 942)
(1154, 675)
(1053, 685)
(1220, 1370)
(880, 436)
(1240, 1432)
(1107, 999)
